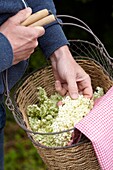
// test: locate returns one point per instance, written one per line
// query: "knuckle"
(32, 44)
(32, 51)
(10, 20)
(36, 32)
(39, 32)
(28, 56)
(36, 44)
(33, 35)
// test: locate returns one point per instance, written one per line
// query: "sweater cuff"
(6, 53)
(53, 39)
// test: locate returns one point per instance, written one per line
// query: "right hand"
(22, 39)
(70, 78)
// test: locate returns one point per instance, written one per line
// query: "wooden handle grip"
(44, 21)
(35, 17)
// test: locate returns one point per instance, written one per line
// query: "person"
(18, 42)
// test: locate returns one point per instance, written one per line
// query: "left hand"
(70, 78)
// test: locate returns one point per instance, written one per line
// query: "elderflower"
(98, 93)
(47, 116)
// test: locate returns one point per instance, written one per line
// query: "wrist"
(60, 52)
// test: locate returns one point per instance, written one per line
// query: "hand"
(70, 77)
(22, 39)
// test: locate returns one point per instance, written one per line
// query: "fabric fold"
(98, 127)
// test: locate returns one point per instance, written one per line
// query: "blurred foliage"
(20, 154)
(37, 60)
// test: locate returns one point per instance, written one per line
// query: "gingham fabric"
(98, 127)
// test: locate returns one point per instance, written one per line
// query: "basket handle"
(40, 18)
(44, 21)
(84, 26)
(35, 17)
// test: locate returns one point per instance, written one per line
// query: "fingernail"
(29, 9)
(74, 96)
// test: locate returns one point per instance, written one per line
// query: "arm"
(6, 53)
(70, 77)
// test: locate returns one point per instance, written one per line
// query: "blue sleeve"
(54, 36)
(6, 53)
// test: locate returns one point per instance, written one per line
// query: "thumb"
(72, 88)
(21, 15)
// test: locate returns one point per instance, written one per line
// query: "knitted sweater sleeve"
(6, 53)
(54, 36)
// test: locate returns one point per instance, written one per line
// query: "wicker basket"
(81, 156)
(97, 63)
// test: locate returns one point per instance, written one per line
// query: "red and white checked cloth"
(98, 127)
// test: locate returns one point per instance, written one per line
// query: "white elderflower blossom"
(71, 112)
(47, 116)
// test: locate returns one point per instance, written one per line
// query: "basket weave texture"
(78, 157)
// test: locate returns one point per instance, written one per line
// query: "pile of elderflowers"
(48, 116)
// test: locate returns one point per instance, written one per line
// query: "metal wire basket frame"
(103, 60)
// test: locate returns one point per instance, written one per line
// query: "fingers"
(31, 33)
(72, 87)
(21, 16)
(40, 30)
(85, 87)
(67, 89)
(87, 92)
(59, 88)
